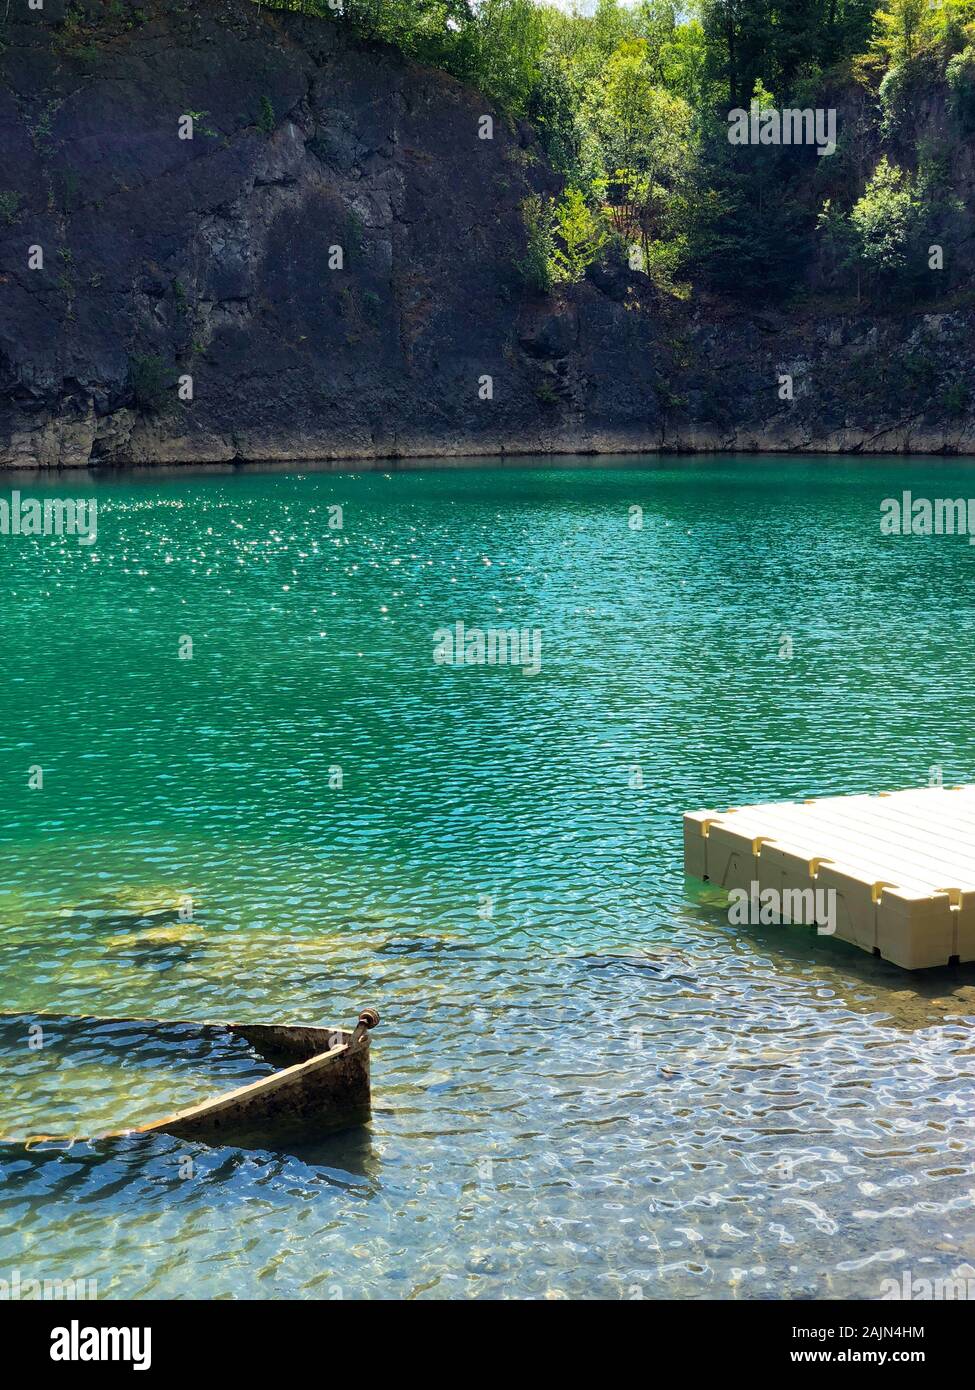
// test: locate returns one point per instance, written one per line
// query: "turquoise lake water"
(586, 1083)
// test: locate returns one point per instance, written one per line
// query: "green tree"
(646, 136)
(432, 31)
(960, 75)
(839, 247)
(737, 33)
(508, 44)
(887, 222)
(779, 41)
(536, 266)
(747, 234)
(900, 30)
(554, 111)
(581, 237)
(683, 63)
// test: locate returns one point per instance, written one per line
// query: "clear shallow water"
(586, 1082)
(93, 1077)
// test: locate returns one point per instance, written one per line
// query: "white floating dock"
(901, 864)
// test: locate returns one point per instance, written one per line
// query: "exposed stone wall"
(211, 258)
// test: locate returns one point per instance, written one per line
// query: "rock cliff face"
(328, 269)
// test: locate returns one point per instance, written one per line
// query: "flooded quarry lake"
(257, 763)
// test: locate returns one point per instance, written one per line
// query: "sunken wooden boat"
(321, 1085)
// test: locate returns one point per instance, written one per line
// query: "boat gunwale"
(280, 1076)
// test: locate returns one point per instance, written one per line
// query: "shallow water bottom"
(79, 1078)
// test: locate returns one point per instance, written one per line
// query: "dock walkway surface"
(901, 865)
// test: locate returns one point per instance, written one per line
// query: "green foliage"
(883, 244)
(645, 134)
(535, 267)
(900, 91)
(882, 217)
(630, 102)
(581, 237)
(747, 236)
(198, 117)
(430, 31)
(901, 30)
(74, 36)
(888, 225)
(839, 245)
(563, 239)
(914, 38)
(497, 45)
(934, 174)
(150, 381)
(72, 28)
(125, 15)
(180, 298)
(507, 43)
(955, 398)
(952, 25)
(777, 41)
(265, 119)
(960, 74)
(553, 109)
(682, 62)
(9, 206)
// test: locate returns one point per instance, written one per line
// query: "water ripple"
(587, 1084)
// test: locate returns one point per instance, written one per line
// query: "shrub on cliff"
(9, 207)
(150, 381)
(535, 266)
(581, 236)
(889, 222)
(960, 74)
(563, 239)
(265, 116)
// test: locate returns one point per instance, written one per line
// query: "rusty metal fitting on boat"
(368, 1018)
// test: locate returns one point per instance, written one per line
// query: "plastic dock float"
(901, 865)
